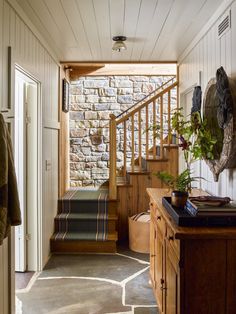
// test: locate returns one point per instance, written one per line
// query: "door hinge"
(28, 236)
(28, 119)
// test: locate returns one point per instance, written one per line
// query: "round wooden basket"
(226, 146)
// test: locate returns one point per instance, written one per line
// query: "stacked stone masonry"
(92, 100)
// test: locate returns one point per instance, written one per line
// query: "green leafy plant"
(179, 183)
(196, 142)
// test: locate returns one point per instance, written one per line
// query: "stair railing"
(138, 127)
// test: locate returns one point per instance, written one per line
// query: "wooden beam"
(63, 141)
(97, 69)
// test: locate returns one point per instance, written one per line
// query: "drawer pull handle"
(171, 238)
(158, 217)
(151, 204)
(163, 288)
(162, 281)
(153, 255)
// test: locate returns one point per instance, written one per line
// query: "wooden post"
(177, 86)
(161, 127)
(132, 141)
(125, 148)
(112, 169)
(139, 141)
(154, 148)
(169, 108)
(147, 133)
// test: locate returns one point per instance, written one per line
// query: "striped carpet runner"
(82, 215)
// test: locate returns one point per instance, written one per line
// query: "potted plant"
(196, 141)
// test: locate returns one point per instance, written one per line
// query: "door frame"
(39, 163)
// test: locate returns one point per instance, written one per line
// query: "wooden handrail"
(146, 97)
(112, 169)
(164, 91)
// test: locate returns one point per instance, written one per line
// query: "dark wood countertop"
(156, 195)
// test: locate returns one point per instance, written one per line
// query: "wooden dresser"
(193, 270)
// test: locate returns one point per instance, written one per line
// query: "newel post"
(112, 170)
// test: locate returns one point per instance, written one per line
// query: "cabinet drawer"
(175, 244)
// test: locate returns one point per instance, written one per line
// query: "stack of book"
(210, 205)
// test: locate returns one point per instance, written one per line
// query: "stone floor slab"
(139, 290)
(105, 266)
(77, 296)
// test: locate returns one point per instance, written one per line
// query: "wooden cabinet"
(171, 281)
(193, 270)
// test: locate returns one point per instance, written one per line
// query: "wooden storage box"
(139, 235)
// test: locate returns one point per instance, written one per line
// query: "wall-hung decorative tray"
(183, 218)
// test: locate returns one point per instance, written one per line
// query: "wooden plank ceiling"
(82, 30)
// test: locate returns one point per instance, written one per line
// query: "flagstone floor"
(90, 284)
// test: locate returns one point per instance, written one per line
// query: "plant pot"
(179, 199)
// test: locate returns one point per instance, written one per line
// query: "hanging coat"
(10, 214)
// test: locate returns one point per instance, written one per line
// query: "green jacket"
(10, 214)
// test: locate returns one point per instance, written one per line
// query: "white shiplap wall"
(206, 56)
(33, 57)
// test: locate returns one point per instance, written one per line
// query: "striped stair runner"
(83, 215)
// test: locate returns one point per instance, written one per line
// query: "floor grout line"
(83, 278)
(123, 282)
(133, 258)
(30, 284)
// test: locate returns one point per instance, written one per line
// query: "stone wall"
(92, 100)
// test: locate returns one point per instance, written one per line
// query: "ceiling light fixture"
(119, 43)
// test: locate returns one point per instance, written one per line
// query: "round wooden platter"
(227, 155)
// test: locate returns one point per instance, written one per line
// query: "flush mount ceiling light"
(119, 43)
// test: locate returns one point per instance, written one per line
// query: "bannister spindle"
(132, 142)
(161, 126)
(112, 170)
(147, 133)
(125, 148)
(169, 108)
(139, 140)
(154, 149)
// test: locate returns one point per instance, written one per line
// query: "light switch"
(48, 164)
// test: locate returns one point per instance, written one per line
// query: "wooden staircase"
(143, 154)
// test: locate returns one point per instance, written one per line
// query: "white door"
(26, 157)
(31, 177)
(20, 162)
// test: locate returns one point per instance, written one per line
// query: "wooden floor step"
(75, 245)
(83, 247)
(137, 170)
(122, 181)
(155, 158)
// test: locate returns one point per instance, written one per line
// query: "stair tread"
(84, 195)
(122, 181)
(82, 236)
(137, 170)
(156, 158)
(83, 216)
